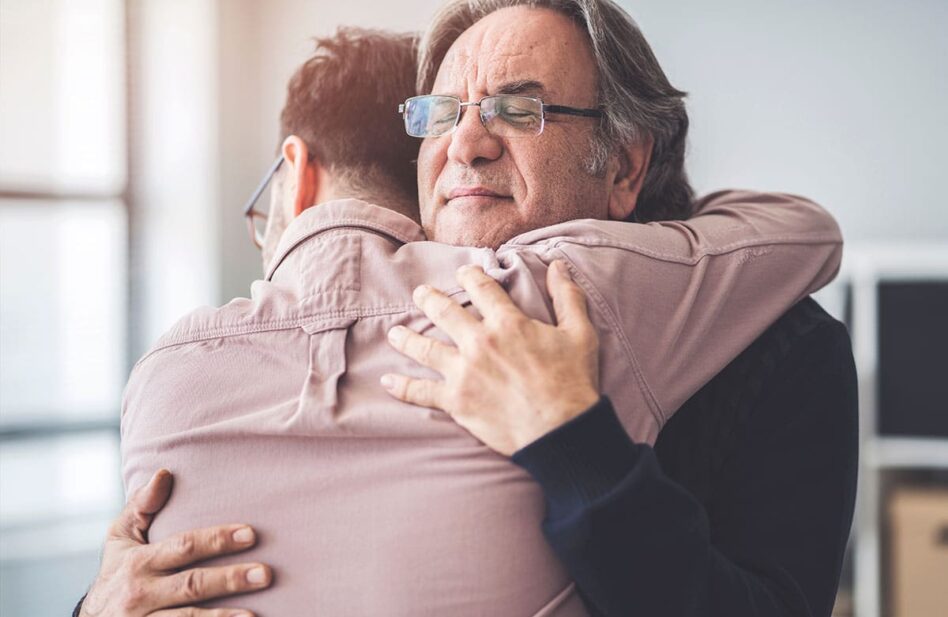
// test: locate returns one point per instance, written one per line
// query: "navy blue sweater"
(744, 505)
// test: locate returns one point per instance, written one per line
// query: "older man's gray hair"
(635, 94)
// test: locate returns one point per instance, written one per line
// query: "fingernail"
(256, 575)
(422, 289)
(387, 382)
(396, 334)
(243, 535)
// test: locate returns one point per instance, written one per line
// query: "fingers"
(191, 611)
(197, 584)
(422, 392)
(422, 349)
(135, 519)
(445, 313)
(189, 547)
(486, 294)
(569, 301)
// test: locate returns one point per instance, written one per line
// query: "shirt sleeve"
(636, 542)
(674, 302)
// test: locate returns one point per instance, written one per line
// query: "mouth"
(473, 195)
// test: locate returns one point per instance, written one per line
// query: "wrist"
(556, 413)
(569, 405)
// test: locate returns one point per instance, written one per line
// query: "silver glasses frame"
(544, 109)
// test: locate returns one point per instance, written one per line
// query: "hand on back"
(137, 578)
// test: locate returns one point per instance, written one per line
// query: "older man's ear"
(627, 168)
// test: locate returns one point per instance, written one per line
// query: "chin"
(469, 233)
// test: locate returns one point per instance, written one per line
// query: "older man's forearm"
(770, 538)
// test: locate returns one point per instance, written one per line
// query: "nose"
(470, 141)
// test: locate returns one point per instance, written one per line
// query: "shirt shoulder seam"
(205, 334)
(693, 259)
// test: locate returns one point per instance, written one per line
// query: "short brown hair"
(342, 103)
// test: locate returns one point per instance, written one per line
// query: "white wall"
(841, 101)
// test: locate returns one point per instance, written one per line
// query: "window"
(63, 294)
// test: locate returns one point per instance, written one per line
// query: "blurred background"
(131, 133)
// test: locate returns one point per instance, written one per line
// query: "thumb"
(135, 519)
(569, 301)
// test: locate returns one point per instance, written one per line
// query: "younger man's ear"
(302, 179)
(630, 164)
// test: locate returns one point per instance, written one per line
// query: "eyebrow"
(522, 86)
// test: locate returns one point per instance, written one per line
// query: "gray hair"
(636, 96)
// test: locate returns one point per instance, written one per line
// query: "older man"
(753, 515)
(626, 179)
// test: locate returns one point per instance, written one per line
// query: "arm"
(636, 541)
(671, 305)
(675, 302)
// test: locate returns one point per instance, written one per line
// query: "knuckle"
(416, 390)
(426, 349)
(485, 340)
(441, 308)
(480, 280)
(400, 387)
(467, 273)
(137, 517)
(134, 522)
(136, 561)
(235, 579)
(219, 541)
(185, 545)
(192, 585)
(132, 595)
(511, 321)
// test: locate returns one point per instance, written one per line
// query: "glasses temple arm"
(263, 184)
(572, 111)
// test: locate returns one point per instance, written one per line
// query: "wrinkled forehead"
(516, 46)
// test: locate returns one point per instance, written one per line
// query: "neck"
(389, 198)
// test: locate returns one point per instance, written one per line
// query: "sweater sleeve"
(636, 542)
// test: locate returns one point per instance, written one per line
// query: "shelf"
(907, 453)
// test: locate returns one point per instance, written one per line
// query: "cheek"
(549, 176)
(560, 188)
(432, 155)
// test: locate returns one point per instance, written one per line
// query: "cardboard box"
(919, 552)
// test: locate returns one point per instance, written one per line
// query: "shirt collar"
(343, 213)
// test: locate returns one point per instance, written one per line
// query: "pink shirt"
(269, 410)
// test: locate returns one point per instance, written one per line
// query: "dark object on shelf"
(913, 358)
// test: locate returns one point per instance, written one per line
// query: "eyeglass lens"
(502, 115)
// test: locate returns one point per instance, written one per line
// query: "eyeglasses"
(503, 115)
(257, 220)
